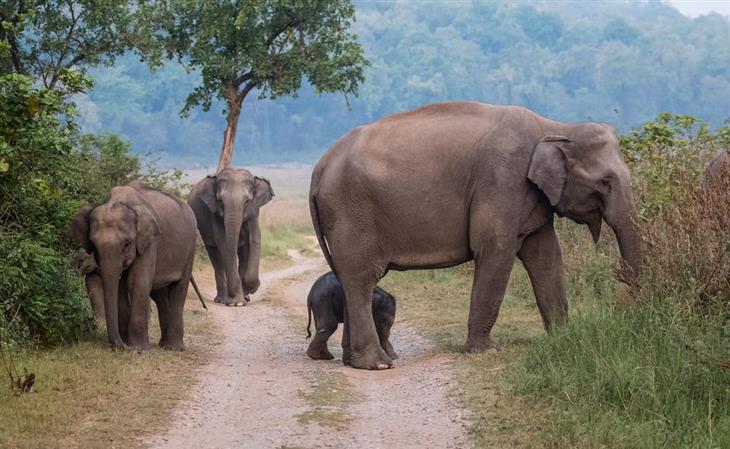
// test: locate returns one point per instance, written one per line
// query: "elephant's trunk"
(624, 223)
(233, 219)
(110, 274)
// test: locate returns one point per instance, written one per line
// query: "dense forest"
(619, 62)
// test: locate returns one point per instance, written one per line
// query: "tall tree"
(268, 45)
(44, 39)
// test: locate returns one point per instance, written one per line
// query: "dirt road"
(261, 390)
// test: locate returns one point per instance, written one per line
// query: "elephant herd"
(430, 188)
(140, 244)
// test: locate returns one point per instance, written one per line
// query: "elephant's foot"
(374, 359)
(118, 345)
(482, 344)
(219, 299)
(172, 345)
(237, 300)
(247, 297)
(141, 346)
(391, 353)
(319, 354)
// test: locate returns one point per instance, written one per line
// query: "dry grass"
(89, 396)
(687, 248)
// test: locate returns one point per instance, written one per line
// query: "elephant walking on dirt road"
(226, 207)
(144, 243)
(453, 182)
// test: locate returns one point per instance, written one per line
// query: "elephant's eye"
(606, 184)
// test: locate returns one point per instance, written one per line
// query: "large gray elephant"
(453, 182)
(227, 210)
(144, 243)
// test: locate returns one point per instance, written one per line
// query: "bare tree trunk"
(235, 100)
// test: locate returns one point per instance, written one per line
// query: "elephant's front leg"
(543, 260)
(139, 282)
(219, 269)
(492, 267)
(248, 258)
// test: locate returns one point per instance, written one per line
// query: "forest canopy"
(618, 62)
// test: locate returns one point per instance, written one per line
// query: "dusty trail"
(253, 393)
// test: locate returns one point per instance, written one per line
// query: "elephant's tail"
(309, 322)
(314, 211)
(197, 290)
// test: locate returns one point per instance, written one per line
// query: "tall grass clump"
(654, 373)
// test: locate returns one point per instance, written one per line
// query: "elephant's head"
(117, 232)
(585, 178)
(235, 195)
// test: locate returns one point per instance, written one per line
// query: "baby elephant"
(86, 266)
(326, 300)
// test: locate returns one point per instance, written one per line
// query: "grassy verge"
(89, 396)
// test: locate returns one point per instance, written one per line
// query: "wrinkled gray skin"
(453, 182)
(86, 266)
(226, 207)
(326, 302)
(718, 167)
(144, 243)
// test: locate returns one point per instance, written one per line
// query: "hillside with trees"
(619, 62)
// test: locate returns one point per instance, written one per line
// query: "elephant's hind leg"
(160, 297)
(318, 347)
(177, 292)
(358, 271)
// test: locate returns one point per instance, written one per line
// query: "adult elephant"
(227, 210)
(144, 243)
(452, 182)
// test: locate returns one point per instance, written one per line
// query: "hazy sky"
(694, 8)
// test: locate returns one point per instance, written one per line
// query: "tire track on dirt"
(252, 393)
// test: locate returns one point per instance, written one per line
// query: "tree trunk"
(235, 100)
(229, 135)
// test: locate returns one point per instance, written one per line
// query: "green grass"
(87, 395)
(278, 239)
(623, 378)
(329, 397)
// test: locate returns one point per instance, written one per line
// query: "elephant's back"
(174, 215)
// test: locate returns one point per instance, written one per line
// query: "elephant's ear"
(80, 227)
(208, 195)
(263, 193)
(148, 230)
(548, 167)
